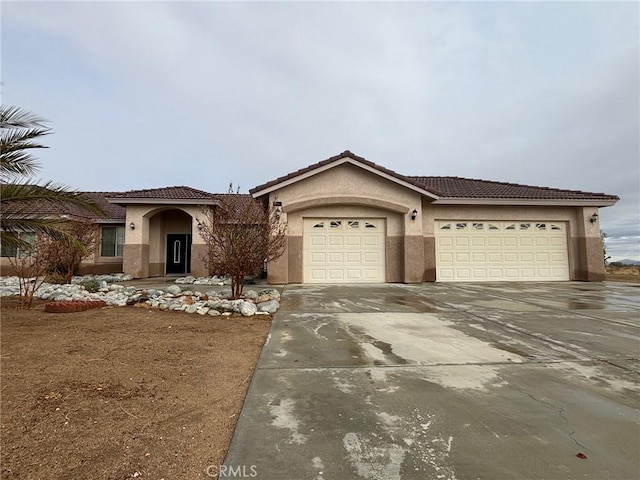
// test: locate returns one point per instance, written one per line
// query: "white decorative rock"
(269, 307)
(248, 309)
(174, 289)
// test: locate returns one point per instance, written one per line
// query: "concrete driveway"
(446, 381)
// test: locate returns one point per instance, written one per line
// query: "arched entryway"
(170, 240)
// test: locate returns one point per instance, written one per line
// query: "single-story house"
(350, 220)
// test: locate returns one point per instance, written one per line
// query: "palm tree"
(27, 206)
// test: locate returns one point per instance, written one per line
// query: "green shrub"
(54, 277)
(90, 285)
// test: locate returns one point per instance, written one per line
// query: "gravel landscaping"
(176, 297)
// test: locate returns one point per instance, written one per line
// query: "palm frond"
(14, 117)
(13, 228)
(17, 163)
(29, 198)
(18, 130)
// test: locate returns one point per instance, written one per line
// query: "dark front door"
(178, 253)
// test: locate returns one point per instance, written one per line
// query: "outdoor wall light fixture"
(414, 214)
(132, 226)
(199, 226)
(594, 218)
(278, 209)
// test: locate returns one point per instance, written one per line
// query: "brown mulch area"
(119, 393)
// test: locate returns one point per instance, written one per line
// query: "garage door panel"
(462, 257)
(510, 257)
(335, 274)
(525, 241)
(494, 257)
(372, 257)
(445, 242)
(479, 257)
(336, 240)
(495, 273)
(318, 257)
(372, 275)
(494, 241)
(501, 250)
(527, 257)
(353, 257)
(463, 273)
(353, 240)
(371, 240)
(317, 240)
(509, 242)
(462, 241)
(318, 274)
(478, 242)
(354, 274)
(479, 274)
(335, 257)
(445, 258)
(543, 257)
(344, 250)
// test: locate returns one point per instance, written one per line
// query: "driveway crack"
(561, 414)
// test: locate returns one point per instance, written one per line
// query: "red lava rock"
(581, 455)
(73, 306)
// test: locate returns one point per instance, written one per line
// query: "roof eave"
(338, 162)
(526, 202)
(161, 201)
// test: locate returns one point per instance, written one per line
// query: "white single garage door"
(344, 250)
(472, 251)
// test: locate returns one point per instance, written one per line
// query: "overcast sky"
(152, 94)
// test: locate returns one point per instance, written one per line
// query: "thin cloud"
(163, 93)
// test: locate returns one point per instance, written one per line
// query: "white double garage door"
(473, 251)
(352, 250)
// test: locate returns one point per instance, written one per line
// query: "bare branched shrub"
(241, 234)
(31, 264)
(65, 257)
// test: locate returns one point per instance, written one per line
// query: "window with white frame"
(112, 241)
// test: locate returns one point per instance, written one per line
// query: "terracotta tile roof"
(345, 154)
(168, 193)
(113, 212)
(457, 187)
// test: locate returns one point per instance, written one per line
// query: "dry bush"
(241, 234)
(31, 265)
(64, 258)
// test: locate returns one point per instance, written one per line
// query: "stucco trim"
(342, 161)
(359, 201)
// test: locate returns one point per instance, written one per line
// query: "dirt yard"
(627, 273)
(119, 393)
